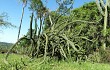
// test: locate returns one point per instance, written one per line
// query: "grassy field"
(15, 63)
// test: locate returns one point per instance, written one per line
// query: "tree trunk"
(105, 27)
(40, 26)
(31, 21)
(21, 18)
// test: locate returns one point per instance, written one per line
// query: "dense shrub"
(95, 57)
(105, 55)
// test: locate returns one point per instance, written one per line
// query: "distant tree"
(4, 22)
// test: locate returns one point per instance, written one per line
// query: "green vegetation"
(75, 35)
(66, 39)
(15, 63)
(4, 47)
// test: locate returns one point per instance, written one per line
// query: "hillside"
(5, 46)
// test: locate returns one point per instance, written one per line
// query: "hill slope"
(4, 47)
(4, 44)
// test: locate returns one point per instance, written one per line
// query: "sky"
(14, 10)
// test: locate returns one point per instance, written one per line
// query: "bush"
(95, 57)
(105, 55)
